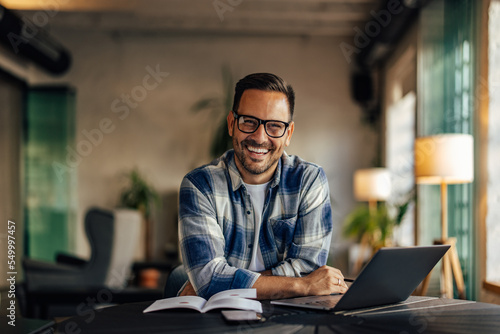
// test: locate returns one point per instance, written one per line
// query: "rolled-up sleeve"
(202, 243)
(313, 231)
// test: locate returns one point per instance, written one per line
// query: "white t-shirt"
(257, 194)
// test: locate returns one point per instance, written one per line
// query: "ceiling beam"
(275, 17)
(120, 5)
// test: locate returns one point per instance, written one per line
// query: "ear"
(230, 123)
(289, 133)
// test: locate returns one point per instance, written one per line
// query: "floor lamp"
(371, 185)
(445, 159)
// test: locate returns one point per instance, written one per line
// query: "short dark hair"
(266, 82)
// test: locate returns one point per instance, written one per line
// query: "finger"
(339, 281)
(337, 272)
(340, 274)
(342, 287)
(338, 289)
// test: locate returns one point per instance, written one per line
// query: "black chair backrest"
(99, 226)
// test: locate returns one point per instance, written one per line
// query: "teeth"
(257, 150)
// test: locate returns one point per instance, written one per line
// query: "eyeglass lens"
(250, 124)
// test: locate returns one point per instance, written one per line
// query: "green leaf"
(377, 227)
(139, 195)
(219, 107)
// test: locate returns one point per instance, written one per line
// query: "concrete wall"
(156, 131)
(11, 227)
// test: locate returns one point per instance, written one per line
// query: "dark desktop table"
(416, 315)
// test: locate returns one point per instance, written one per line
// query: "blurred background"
(110, 103)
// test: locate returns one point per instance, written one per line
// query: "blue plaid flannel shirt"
(216, 227)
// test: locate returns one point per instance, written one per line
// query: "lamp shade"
(446, 158)
(372, 184)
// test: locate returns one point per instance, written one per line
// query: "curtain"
(50, 177)
(446, 105)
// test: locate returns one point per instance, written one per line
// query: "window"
(493, 184)
(446, 86)
(50, 200)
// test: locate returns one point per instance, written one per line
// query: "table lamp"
(445, 159)
(371, 185)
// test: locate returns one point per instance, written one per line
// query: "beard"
(253, 166)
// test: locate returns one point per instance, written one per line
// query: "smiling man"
(257, 217)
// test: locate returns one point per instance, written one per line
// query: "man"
(256, 217)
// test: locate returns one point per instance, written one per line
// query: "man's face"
(257, 154)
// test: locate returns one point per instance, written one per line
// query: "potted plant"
(141, 196)
(373, 229)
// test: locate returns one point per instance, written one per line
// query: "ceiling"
(335, 18)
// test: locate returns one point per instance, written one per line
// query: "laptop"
(390, 277)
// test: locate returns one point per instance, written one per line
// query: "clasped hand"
(323, 281)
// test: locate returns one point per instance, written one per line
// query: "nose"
(260, 135)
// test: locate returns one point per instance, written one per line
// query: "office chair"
(112, 238)
(175, 281)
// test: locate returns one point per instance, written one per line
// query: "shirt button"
(250, 245)
(248, 212)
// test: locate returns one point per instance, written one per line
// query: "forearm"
(268, 287)
(323, 281)
(278, 287)
(218, 276)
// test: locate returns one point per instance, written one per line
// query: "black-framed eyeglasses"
(250, 124)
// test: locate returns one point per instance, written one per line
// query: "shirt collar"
(234, 173)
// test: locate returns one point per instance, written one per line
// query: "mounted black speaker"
(362, 86)
(27, 39)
